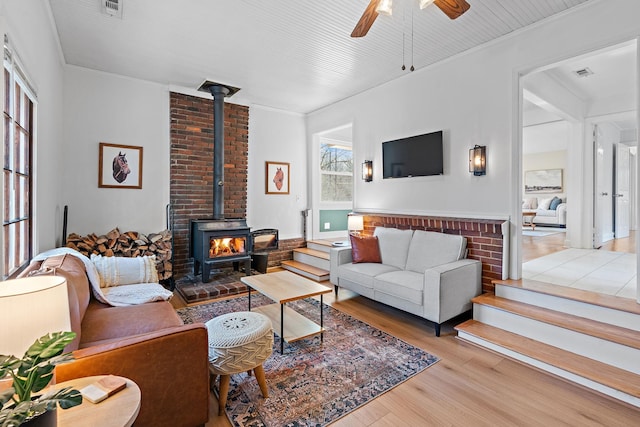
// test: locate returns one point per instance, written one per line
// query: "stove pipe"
(218, 92)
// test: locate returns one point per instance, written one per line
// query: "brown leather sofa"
(147, 343)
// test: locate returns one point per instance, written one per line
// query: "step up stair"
(604, 378)
(569, 334)
(320, 245)
(306, 270)
(316, 258)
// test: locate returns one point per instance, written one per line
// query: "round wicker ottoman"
(238, 342)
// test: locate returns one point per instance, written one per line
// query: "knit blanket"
(116, 296)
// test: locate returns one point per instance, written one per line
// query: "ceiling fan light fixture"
(425, 3)
(385, 7)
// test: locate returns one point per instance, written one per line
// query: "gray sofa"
(424, 273)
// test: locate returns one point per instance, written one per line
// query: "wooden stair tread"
(579, 324)
(607, 375)
(306, 267)
(313, 252)
(608, 301)
(327, 243)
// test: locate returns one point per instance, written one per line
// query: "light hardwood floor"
(537, 246)
(469, 386)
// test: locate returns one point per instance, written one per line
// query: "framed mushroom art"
(277, 178)
(119, 166)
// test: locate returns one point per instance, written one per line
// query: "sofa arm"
(448, 289)
(337, 257)
(561, 213)
(170, 366)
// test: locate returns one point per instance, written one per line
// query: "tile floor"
(612, 273)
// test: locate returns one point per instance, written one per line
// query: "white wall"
(101, 107)
(278, 136)
(34, 39)
(474, 98)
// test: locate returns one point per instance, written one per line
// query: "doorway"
(580, 116)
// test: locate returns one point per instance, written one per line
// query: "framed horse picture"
(119, 166)
(277, 178)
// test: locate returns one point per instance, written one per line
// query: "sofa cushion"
(554, 203)
(407, 285)
(548, 213)
(116, 271)
(363, 273)
(364, 249)
(544, 204)
(394, 245)
(429, 249)
(531, 203)
(103, 322)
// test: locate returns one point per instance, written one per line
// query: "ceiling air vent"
(112, 7)
(585, 72)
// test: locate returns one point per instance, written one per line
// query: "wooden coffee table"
(283, 287)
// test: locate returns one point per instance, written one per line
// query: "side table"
(119, 410)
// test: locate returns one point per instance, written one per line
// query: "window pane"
(22, 196)
(21, 161)
(7, 91)
(336, 188)
(7, 196)
(25, 231)
(8, 125)
(335, 159)
(7, 257)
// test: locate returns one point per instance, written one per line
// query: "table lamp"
(29, 309)
(355, 224)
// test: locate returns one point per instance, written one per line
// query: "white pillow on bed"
(116, 271)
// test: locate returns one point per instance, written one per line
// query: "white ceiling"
(614, 80)
(292, 55)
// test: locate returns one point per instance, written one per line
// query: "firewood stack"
(128, 244)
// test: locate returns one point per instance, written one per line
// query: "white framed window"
(336, 172)
(18, 113)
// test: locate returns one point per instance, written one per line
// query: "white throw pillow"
(116, 271)
(544, 204)
(531, 203)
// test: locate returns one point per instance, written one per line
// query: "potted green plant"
(31, 374)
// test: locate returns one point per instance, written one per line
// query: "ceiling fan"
(452, 8)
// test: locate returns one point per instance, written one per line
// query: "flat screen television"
(419, 155)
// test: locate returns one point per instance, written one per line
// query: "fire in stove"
(228, 246)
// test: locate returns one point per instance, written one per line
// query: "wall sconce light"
(367, 171)
(355, 224)
(478, 160)
(385, 7)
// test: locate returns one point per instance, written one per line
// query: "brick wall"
(191, 186)
(484, 237)
(285, 250)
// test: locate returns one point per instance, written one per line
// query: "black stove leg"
(205, 272)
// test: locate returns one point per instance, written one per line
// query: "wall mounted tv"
(419, 155)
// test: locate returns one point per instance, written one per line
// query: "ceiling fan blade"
(453, 8)
(366, 20)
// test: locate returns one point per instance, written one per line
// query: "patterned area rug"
(314, 383)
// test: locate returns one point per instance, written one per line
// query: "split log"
(128, 244)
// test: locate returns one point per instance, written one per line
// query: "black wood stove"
(219, 241)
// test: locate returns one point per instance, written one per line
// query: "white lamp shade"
(29, 309)
(355, 223)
